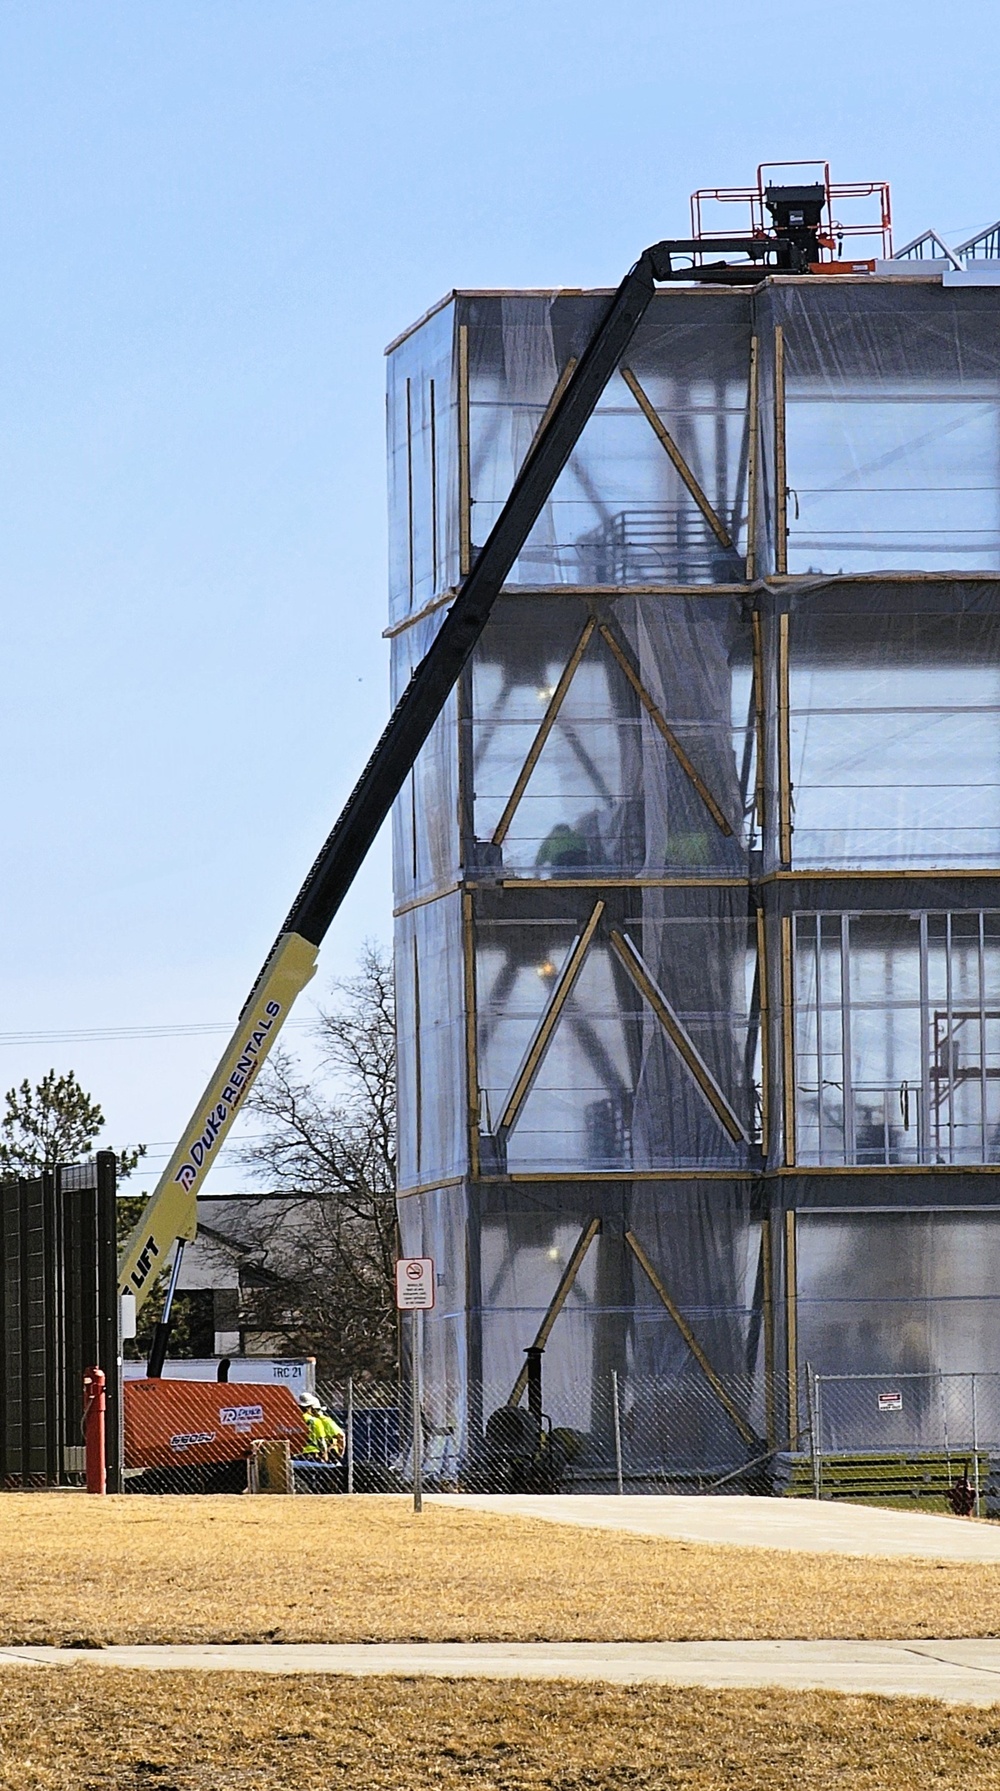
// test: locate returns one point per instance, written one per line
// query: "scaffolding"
(697, 912)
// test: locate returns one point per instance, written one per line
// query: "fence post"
(416, 1390)
(616, 1412)
(944, 1424)
(975, 1446)
(812, 1387)
(349, 1445)
(94, 1403)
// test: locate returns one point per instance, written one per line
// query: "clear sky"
(213, 216)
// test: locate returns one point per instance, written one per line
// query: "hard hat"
(308, 1402)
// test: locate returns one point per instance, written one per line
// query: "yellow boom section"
(171, 1211)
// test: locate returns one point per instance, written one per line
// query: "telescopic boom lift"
(170, 1216)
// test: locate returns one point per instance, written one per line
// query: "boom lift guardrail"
(170, 1216)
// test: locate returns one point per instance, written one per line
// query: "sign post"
(415, 1294)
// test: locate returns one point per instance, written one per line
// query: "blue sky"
(213, 216)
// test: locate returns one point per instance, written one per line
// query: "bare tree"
(324, 1250)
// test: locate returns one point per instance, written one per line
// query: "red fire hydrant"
(94, 1403)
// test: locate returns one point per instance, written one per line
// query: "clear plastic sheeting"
(892, 424)
(698, 931)
(620, 513)
(619, 1081)
(431, 1137)
(894, 707)
(422, 417)
(613, 738)
(909, 1292)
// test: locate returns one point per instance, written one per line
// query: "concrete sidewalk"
(800, 1524)
(956, 1672)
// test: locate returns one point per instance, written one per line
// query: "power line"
(90, 1034)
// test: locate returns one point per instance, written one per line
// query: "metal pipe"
(349, 1440)
(616, 1412)
(416, 1395)
(161, 1334)
(534, 1375)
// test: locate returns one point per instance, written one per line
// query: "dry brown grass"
(134, 1569)
(98, 1730)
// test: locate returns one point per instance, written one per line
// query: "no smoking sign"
(415, 1283)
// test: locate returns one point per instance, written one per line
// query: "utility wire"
(86, 1034)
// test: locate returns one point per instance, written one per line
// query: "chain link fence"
(608, 1434)
(909, 1437)
(930, 1431)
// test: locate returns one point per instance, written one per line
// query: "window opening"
(897, 1039)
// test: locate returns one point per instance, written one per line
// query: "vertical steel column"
(784, 749)
(949, 1002)
(471, 1043)
(792, 1328)
(759, 712)
(924, 1154)
(850, 1136)
(767, 1261)
(819, 1037)
(434, 494)
(409, 489)
(788, 1036)
(464, 461)
(765, 1030)
(753, 458)
(780, 467)
(984, 1142)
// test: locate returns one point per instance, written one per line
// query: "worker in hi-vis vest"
(326, 1439)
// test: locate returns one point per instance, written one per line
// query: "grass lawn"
(94, 1729)
(135, 1569)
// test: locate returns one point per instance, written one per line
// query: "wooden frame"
(753, 456)
(548, 722)
(767, 1264)
(557, 1302)
(663, 726)
(717, 1385)
(535, 1054)
(558, 697)
(788, 1039)
(557, 391)
(780, 464)
(409, 487)
(464, 453)
(784, 749)
(471, 1043)
(687, 1051)
(757, 638)
(765, 1033)
(610, 882)
(677, 459)
(792, 1328)
(434, 492)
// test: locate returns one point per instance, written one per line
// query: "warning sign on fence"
(890, 1402)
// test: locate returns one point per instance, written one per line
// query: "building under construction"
(696, 880)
